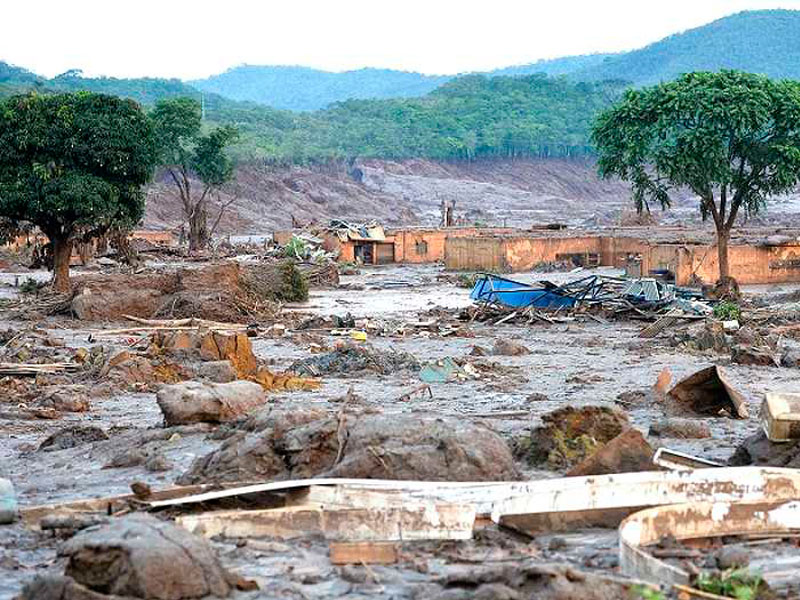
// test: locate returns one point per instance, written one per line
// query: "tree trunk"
(723, 235)
(198, 228)
(62, 251)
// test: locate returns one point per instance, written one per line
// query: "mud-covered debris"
(72, 436)
(527, 579)
(676, 427)
(571, 434)
(447, 369)
(354, 358)
(751, 355)
(142, 557)
(217, 371)
(504, 347)
(758, 450)
(627, 453)
(204, 402)
(60, 587)
(364, 446)
(709, 392)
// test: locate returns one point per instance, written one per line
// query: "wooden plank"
(363, 553)
(411, 522)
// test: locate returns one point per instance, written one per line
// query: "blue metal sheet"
(515, 294)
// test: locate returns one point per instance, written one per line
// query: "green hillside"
(304, 89)
(765, 41)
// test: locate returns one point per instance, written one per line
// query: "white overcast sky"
(192, 39)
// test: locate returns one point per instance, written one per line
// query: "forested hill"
(765, 41)
(303, 88)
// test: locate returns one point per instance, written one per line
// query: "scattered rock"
(537, 397)
(74, 435)
(569, 435)
(750, 355)
(732, 557)
(758, 450)
(143, 557)
(791, 358)
(663, 381)
(627, 453)
(686, 429)
(195, 402)
(218, 371)
(527, 579)
(504, 347)
(362, 446)
(60, 587)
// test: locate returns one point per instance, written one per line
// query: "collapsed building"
(685, 256)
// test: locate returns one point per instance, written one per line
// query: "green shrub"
(727, 311)
(293, 286)
(734, 583)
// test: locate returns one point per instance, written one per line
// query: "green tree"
(74, 166)
(732, 138)
(187, 154)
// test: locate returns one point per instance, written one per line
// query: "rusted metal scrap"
(695, 520)
(709, 392)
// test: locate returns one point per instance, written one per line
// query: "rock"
(791, 358)
(218, 371)
(366, 446)
(143, 557)
(537, 397)
(687, 429)
(8, 502)
(75, 435)
(627, 453)
(235, 348)
(663, 381)
(478, 351)
(732, 557)
(569, 435)
(66, 399)
(758, 450)
(527, 580)
(195, 402)
(60, 587)
(750, 355)
(128, 369)
(504, 347)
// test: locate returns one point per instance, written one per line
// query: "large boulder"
(571, 434)
(143, 557)
(206, 402)
(363, 446)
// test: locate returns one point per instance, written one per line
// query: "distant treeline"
(468, 117)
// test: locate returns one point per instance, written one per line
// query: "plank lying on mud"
(363, 553)
(411, 522)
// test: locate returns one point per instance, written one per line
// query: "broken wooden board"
(680, 461)
(604, 500)
(481, 493)
(692, 521)
(412, 522)
(105, 505)
(363, 553)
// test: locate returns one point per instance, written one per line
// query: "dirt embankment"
(518, 192)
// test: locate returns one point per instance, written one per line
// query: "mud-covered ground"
(574, 363)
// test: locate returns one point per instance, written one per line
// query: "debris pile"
(350, 358)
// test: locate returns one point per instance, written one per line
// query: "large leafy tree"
(74, 166)
(189, 155)
(732, 138)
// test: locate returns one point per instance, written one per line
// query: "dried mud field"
(570, 363)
